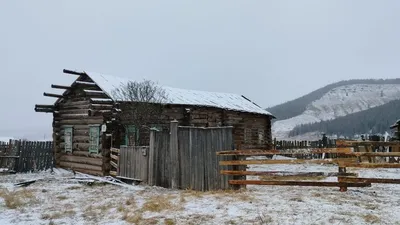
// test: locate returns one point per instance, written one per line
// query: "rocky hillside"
(328, 104)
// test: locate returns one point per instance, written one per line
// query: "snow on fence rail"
(25, 156)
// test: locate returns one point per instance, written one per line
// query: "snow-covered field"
(55, 200)
(338, 102)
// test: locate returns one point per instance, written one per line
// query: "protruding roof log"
(45, 110)
(94, 93)
(60, 87)
(85, 83)
(73, 72)
(52, 95)
(44, 106)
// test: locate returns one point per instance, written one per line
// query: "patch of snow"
(338, 102)
(107, 204)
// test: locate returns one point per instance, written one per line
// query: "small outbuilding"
(87, 119)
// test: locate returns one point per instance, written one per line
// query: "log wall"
(251, 131)
(76, 110)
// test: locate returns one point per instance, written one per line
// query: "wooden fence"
(183, 157)
(25, 156)
(346, 158)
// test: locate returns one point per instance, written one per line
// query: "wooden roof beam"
(74, 72)
(85, 83)
(52, 95)
(45, 110)
(44, 106)
(60, 87)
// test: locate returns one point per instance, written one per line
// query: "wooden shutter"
(94, 138)
(68, 135)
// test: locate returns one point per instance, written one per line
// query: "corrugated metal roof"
(185, 97)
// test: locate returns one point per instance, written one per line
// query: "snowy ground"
(60, 201)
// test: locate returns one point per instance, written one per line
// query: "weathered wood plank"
(300, 183)
(284, 173)
(82, 160)
(76, 166)
(369, 165)
(369, 180)
(285, 161)
(258, 152)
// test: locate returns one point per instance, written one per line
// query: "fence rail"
(346, 158)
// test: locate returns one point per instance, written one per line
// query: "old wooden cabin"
(85, 116)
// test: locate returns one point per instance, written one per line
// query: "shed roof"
(179, 96)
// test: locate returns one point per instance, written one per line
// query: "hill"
(297, 106)
(374, 120)
(346, 98)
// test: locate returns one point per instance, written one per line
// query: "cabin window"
(247, 135)
(131, 135)
(261, 136)
(68, 138)
(94, 138)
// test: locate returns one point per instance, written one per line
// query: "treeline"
(374, 120)
(297, 106)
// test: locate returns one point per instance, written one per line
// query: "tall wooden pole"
(174, 154)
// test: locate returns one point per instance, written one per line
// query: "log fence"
(345, 158)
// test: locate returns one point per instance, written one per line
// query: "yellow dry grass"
(58, 215)
(160, 203)
(370, 219)
(18, 198)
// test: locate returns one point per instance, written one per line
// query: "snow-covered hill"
(339, 102)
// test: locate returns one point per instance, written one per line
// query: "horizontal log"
(113, 164)
(60, 87)
(369, 180)
(75, 166)
(258, 152)
(52, 95)
(44, 106)
(72, 111)
(75, 103)
(113, 173)
(370, 165)
(45, 110)
(77, 138)
(299, 183)
(104, 101)
(76, 147)
(115, 157)
(80, 122)
(87, 154)
(85, 83)
(82, 160)
(115, 150)
(90, 172)
(74, 116)
(374, 154)
(74, 72)
(285, 161)
(366, 143)
(283, 173)
(101, 106)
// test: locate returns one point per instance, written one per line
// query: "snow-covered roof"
(179, 96)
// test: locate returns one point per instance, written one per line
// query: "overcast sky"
(269, 51)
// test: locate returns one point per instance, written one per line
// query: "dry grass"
(131, 201)
(296, 199)
(62, 197)
(292, 178)
(169, 222)
(74, 187)
(371, 206)
(135, 218)
(160, 203)
(369, 218)
(18, 198)
(58, 215)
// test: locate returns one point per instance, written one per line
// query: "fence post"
(173, 145)
(151, 175)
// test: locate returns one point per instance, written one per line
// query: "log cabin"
(86, 123)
